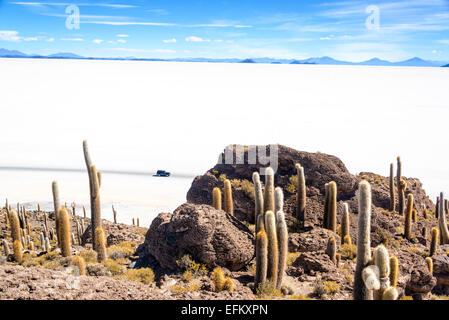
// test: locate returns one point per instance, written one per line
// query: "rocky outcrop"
(212, 237)
(116, 233)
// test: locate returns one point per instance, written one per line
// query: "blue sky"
(231, 29)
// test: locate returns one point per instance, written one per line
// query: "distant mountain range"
(414, 62)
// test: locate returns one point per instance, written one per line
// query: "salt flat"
(178, 116)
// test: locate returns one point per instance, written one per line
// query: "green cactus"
(100, 245)
(258, 197)
(444, 232)
(363, 239)
(345, 222)
(228, 202)
(273, 248)
(332, 207)
(392, 199)
(408, 217)
(332, 249)
(278, 199)
(326, 205)
(261, 258)
(14, 225)
(216, 198)
(268, 198)
(65, 232)
(301, 197)
(282, 234)
(56, 205)
(435, 234)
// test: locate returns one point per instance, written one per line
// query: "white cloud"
(196, 39)
(122, 35)
(97, 41)
(30, 39)
(71, 39)
(443, 41)
(63, 4)
(169, 41)
(121, 40)
(50, 40)
(8, 35)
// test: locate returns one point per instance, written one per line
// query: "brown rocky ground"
(182, 248)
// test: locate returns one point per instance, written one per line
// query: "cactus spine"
(18, 251)
(261, 258)
(332, 207)
(434, 241)
(65, 232)
(301, 196)
(258, 198)
(444, 232)
(268, 198)
(399, 185)
(278, 200)
(228, 203)
(392, 199)
(100, 246)
(345, 222)
(332, 249)
(273, 249)
(216, 198)
(15, 225)
(363, 238)
(282, 234)
(326, 205)
(408, 217)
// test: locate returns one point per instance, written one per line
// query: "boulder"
(212, 237)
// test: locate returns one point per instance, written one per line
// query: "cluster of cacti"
(301, 197)
(330, 214)
(216, 198)
(100, 244)
(221, 282)
(228, 202)
(94, 187)
(271, 233)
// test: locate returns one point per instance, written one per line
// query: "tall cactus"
(260, 223)
(56, 205)
(273, 248)
(228, 202)
(332, 249)
(114, 212)
(332, 207)
(363, 238)
(435, 238)
(15, 225)
(100, 246)
(95, 202)
(278, 199)
(345, 222)
(216, 198)
(282, 234)
(268, 197)
(258, 197)
(326, 206)
(65, 232)
(392, 199)
(408, 217)
(261, 258)
(399, 185)
(444, 232)
(301, 196)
